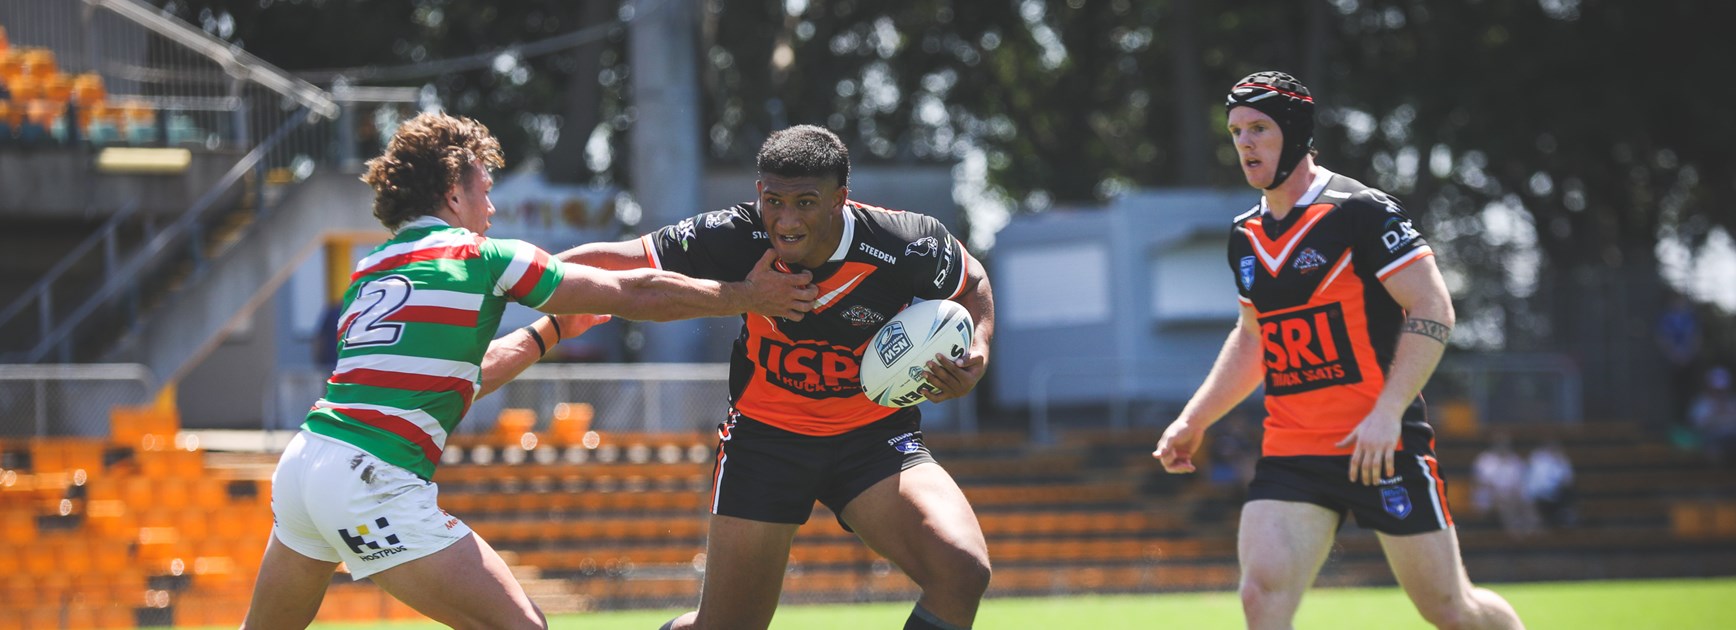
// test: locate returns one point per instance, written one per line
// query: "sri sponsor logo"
(1306, 350)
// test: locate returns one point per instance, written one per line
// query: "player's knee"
(1260, 593)
(965, 577)
(1447, 613)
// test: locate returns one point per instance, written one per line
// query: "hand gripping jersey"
(1327, 325)
(804, 376)
(417, 318)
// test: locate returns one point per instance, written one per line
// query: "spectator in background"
(1678, 338)
(1498, 478)
(325, 338)
(1549, 484)
(1713, 415)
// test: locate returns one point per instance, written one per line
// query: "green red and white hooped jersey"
(418, 316)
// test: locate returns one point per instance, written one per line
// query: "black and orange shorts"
(764, 473)
(1413, 501)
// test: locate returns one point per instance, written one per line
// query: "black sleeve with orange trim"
(1385, 238)
(719, 245)
(935, 260)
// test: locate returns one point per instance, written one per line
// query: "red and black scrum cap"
(1287, 101)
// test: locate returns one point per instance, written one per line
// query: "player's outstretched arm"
(619, 256)
(656, 295)
(948, 378)
(510, 354)
(1428, 323)
(1236, 374)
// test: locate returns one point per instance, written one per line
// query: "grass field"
(1672, 604)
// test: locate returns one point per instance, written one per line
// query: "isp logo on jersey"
(1247, 270)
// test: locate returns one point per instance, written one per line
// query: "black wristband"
(556, 323)
(542, 348)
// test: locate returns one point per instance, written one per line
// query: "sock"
(921, 619)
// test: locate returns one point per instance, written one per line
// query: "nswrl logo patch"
(1396, 500)
(1247, 273)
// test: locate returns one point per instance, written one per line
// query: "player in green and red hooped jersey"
(416, 348)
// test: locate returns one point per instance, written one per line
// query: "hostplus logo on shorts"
(372, 549)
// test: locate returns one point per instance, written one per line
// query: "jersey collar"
(424, 221)
(1321, 177)
(849, 235)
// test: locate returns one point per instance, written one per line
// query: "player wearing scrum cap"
(1344, 316)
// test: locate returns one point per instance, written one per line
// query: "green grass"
(1672, 604)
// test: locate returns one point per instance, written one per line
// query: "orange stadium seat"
(39, 62)
(512, 424)
(24, 89)
(87, 89)
(570, 422)
(57, 87)
(11, 65)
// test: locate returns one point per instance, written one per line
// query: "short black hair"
(805, 151)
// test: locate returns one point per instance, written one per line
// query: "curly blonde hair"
(427, 157)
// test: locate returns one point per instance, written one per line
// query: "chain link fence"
(67, 400)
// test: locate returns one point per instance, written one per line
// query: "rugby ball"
(893, 363)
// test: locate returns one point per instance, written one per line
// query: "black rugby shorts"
(764, 473)
(1413, 501)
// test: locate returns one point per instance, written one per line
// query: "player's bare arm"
(656, 295)
(1235, 375)
(949, 378)
(511, 353)
(1429, 320)
(619, 256)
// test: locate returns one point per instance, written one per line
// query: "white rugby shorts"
(334, 502)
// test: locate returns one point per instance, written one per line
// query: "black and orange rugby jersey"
(1328, 327)
(804, 376)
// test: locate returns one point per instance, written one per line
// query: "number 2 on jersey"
(378, 300)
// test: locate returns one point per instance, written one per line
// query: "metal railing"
(68, 400)
(41, 292)
(1510, 388)
(670, 397)
(187, 231)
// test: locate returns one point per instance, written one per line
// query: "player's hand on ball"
(778, 294)
(1177, 446)
(948, 379)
